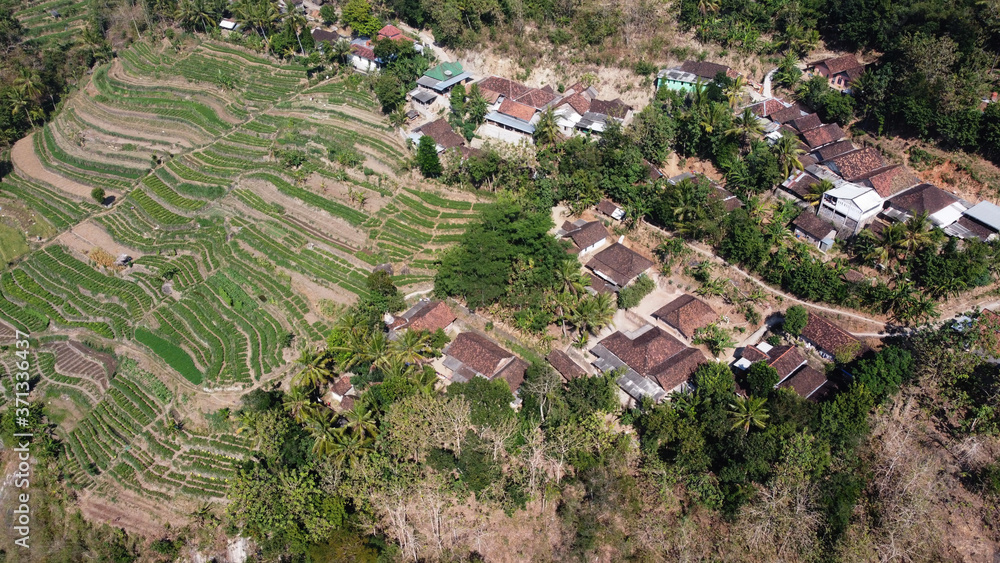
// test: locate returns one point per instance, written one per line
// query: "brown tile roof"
(505, 87)
(767, 107)
(518, 110)
(707, 70)
(800, 186)
(614, 108)
(363, 52)
(834, 150)
(479, 353)
(857, 164)
(320, 35)
(728, 198)
(805, 382)
(978, 229)
(812, 225)
(687, 313)
(577, 101)
(607, 207)
(600, 285)
(753, 354)
(785, 359)
(923, 198)
(347, 403)
(806, 122)
(828, 336)
(840, 64)
(646, 352)
(341, 386)
(587, 234)
(785, 115)
(536, 98)
(490, 96)
(431, 316)
(442, 133)
(565, 365)
(823, 135)
(619, 263)
(807, 160)
(679, 368)
(513, 373)
(890, 180)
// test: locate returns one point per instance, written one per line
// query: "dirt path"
(26, 161)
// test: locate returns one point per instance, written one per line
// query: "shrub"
(427, 158)
(796, 319)
(761, 379)
(98, 195)
(632, 295)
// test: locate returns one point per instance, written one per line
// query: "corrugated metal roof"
(986, 213)
(511, 122)
(864, 197)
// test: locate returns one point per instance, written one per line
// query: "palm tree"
(569, 278)
(29, 84)
(315, 368)
(360, 421)
(746, 127)
(547, 130)
(296, 402)
(714, 117)
(788, 152)
(18, 101)
(698, 94)
(734, 92)
(816, 191)
(916, 234)
(297, 20)
(747, 412)
(325, 437)
(339, 51)
(687, 205)
(412, 347)
(594, 313)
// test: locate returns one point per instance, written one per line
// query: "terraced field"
(232, 249)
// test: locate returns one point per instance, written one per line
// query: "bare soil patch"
(338, 191)
(148, 517)
(26, 161)
(314, 292)
(89, 235)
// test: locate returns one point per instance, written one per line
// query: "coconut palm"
(687, 204)
(339, 51)
(360, 421)
(747, 412)
(594, 313)
(296, 402)
(547, 130)
(815, 193)
(787, 150)
(315, 368)
(19, 102)
(734, 92)
(297, 20)
(412, 347)
(714, 117)
(745, 127)
(325, 438)
(569, 279)
(916, 234)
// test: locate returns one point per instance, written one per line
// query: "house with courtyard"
(687, 314)
(618, 265)
(653, 363)
(471, 354)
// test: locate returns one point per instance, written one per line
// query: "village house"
(840, 71)
(981, 221)
(618, 265)
(941, 207)
(808, 383)
(341, 388)
(362, 56)
(581, 110)
(586, 236)
(471, 354)
(850, 207)
(440, 130)
(565, 365)
(806, 122)
(425, 315)
(655, 363)
(833, 150)
(684, 77)
(830, 340)
(611, 209)
(687, 314)
(443, 77)
(822, 135)
(814, 230)
(786, 359)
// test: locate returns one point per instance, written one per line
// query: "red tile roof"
(834, 150)
(490, 96)
(923, 198)
(645, 352)
(785, 360)
(823, 135)
(442, 133)
(785, 115)
(687, 314)
(767, 107)
(753, 354)
(363, 52)
(341, 386)
(565, 365)
(505, 87)
(536, 98)
(390, 32)
(812, 225)
(513, 373)
(800, 186)
(830, 337)
(619, 263)
(479, 353)
(515, 109)
(579, 103)
(890, 180)
(840, 64)
(429, 316)
(607, 207)
(856, 164)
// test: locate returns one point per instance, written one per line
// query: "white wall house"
(850, 206)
